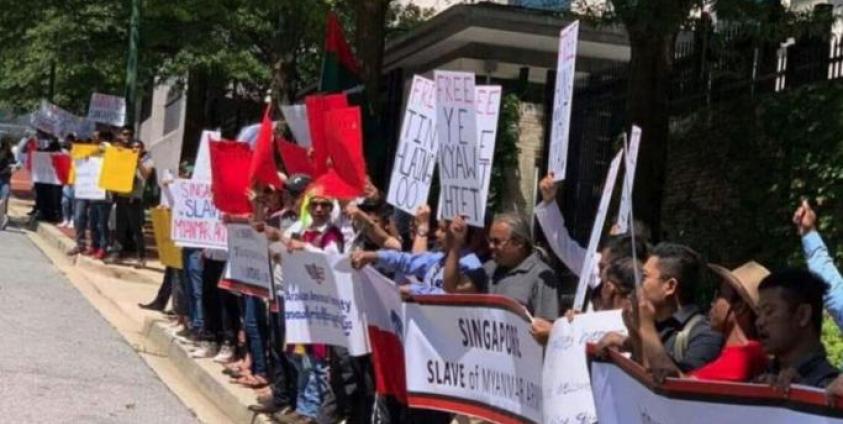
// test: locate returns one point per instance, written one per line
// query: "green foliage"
(506, 150)
(833, 342)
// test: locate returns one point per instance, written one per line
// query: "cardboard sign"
(586, 276)
(88, 172)
(248, 257)
(344, 133)
(59, 122)
(196, 222)
(106, 109)
(42, 170)
(418, 146)
(473, 354)
(456, 121)
(296, 160)
(321, 302)
(118, 169)
(563, 95)
(296, 117)
(168, 253)
(202, 166)
(230, 162)
(630, 162)
(566, 382)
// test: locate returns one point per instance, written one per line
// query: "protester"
(7, 166)
(67, 197)
(84, 220)
(819, 261)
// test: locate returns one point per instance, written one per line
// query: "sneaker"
(99, 254)
(225, 355)
(206, 350)
(62, 224)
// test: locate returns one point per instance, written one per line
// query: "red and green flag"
(340, 69)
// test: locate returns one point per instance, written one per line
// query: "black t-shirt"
(703, 343)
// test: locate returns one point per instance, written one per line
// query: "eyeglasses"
(498, 242)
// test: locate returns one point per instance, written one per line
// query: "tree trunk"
(370, 35)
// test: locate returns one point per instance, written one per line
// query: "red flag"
(296, 160)
(61, 163)
(262, 169)
(330, 184)
(230, 161)
(317, 106)
(31, 146)
(343, 131)
(340, 69)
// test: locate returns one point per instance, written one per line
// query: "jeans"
(130, 217)
(81, 210)
(283, 373)
(193, 265)
(100, 210)
(211, 300)
(254, 322)
(5, 192)
(312, 383)
(67, 203)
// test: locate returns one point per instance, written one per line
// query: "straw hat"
(744, 279)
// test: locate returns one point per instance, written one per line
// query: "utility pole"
(132, 63)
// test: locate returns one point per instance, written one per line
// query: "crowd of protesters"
(762, 326)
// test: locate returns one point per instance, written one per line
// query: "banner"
(566, 382)
(202, 165)
(196, 222)
(586, 274)
(321, 301)
(248, 258)
(168, 253)
(630, 162)
(118, 169)
(43, 171)
(560, 127)
(59, 122)
(88, 172)
(456, 122)
(624, 393)
(106, 109)
(473, 355)
(296, 117)
(418, 145)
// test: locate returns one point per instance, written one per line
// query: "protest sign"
(586, 274)
(321, 301)
(196, 222)
(296, 117)
(202, 166)
(80, 151)
(418, 146)
(295, 158)
(488, 100)
(474, 355)
(43, 171)
(248, 258)
(118, 169)
(59, 122)
(168, 253)
(166, 154)
(456, 122)
(88, 172)
(566, 382)
(107, 109)
(560, 127)
(630, 162)
(624, 393)
(230, 162)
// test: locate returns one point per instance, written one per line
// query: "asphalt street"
(60, 361)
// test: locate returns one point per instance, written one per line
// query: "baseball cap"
(297, 183)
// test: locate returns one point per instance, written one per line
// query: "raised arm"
(553, 226)
(819, 260)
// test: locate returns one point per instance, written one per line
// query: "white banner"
(621, 398)
(202, 166)
(43, 170)
(473, 355)
(418, 146)
(321, 302)
(456, 122)
(107, 109)
(296, 117)
(86, 185)
(563, 95)
(196, 221)
(630, 162)
(567, 384)
(586, 274)
(248, 257)
(59, 122)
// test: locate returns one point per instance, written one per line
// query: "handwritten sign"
(418, 146)
(107, 109)
(43, 171)
(631, 160)
(196, 222)
(488, 100)
(320, 301)
(566, 383)
(296, 117)
(202, 166)
(248, 257)
(563, 95)
(87, 178)
(586, 274)
(456, 122)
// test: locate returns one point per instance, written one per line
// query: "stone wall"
(521, 188)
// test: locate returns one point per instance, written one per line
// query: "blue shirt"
(429, 268)
(821, 263)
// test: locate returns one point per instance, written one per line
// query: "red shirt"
(735, 363)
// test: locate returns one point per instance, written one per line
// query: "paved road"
(60, 361)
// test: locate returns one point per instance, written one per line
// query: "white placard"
(107, 109)
(321, 302)
(196, 221)
(86, 184)
(488, 100)
(248, 257)
(43, 171)
(586, 276)
(563, 95)
(473, 357)
(630, 162)
(459, 158)
(567, 384)
(202, 166)
(296, 117)
(418, 146)
(166, 156)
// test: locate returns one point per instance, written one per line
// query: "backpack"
(680, 345)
